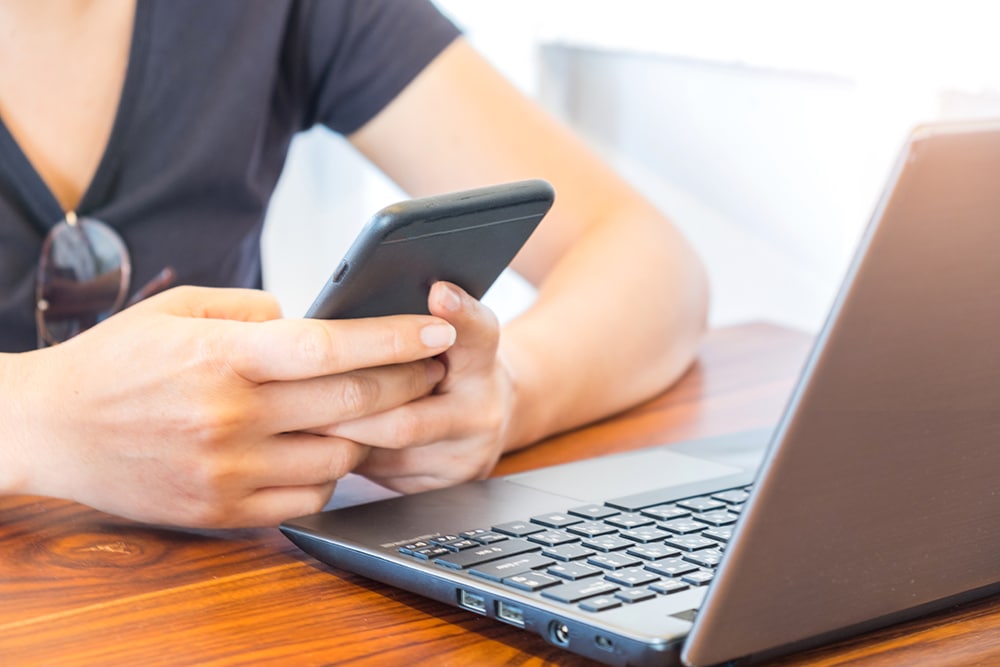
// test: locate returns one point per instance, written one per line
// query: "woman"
(166, 123)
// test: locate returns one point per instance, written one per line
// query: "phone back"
(467, 238)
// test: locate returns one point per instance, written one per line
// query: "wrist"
(526, 416)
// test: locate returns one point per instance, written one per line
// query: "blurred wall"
(764, 129)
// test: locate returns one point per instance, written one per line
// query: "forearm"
(617, 320)
(13, 477)
(622, 297)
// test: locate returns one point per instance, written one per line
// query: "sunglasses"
(83, 278)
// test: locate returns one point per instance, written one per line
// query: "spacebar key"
(469, 557)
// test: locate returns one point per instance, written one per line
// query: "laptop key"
(671, 567)
(475, 532)
(645, 534)
(668, 586)
(717, 517)
(652, 551)
(666, 512)
(553, 537)
(732, 496)
(413, 546)
(720, 534)
(482, 536)
(705, 557)
(608, 543)
(592, 529)
(518, 528)
(613, 561)
(683, 526)
(701, 504)
(579, 590)
(691, 542)
(428, 553)
(600, 603)
(632, 595)
(498, 569)
(593, 511)
(573, 571)
(556, 520)
(629, 520)
(531, 581)
(632, 576)
(460, 545)
(485, 553)
(641, 501)
(567, 552)
(699, 578)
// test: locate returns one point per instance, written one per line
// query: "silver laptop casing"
(878, 498)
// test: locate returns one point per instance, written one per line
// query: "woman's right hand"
(191, 408)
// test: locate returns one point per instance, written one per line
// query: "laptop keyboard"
(597, 557)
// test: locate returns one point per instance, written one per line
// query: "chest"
(60, 83)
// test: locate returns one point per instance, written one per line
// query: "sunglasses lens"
(83, 277)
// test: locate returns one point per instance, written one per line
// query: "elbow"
(689, 306)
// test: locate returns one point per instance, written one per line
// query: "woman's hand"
(458, 432)
(194, 407)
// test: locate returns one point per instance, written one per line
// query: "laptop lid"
(879, 497)
(875, 502)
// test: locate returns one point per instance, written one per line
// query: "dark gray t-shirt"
(213, 95)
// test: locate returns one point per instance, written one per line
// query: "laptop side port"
(472, 601)
(559, 633)
(510, 613)
(604, 643)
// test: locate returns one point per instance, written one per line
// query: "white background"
(765, 129)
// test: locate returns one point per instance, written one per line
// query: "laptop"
(876, 497)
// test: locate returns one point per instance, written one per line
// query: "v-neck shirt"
(212, 96)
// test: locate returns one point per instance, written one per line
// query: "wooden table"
(78, 587)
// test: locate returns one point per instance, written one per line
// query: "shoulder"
(359, 54)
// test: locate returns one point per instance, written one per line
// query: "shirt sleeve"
(360, 54)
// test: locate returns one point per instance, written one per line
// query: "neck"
(51, 15)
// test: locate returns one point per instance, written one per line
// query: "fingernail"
(438, 335)
(435, 371)
(450, 299)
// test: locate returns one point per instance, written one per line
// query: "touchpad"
(623, 475)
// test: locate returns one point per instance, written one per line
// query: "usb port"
(510, 613)
(472, 601)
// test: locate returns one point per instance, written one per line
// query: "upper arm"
(460, 124)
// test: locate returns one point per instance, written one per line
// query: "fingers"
(269, 507)
(249, 336)
(408, 470)
(297, 474)
(407, 484)
(455, 434)
(431, 467)
(184, 428)
(264, 507)
(478, 332)
(429, 420)
(317, 403)
(245, 305)
(308, 348)
(274, 479)
(468, 401)
(301, 459)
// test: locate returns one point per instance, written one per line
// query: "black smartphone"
(467, 238)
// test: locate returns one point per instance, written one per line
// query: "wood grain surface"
(78, 587)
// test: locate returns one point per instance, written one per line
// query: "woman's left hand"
(458, 432)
